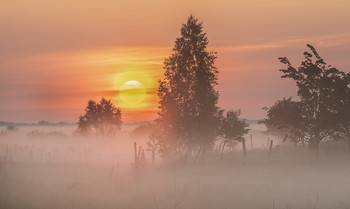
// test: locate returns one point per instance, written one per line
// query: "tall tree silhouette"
(323, 94)
(188, 112)
(101, 119)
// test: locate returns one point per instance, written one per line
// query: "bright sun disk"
(132, 93)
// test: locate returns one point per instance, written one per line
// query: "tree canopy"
(284, 120)
(324, 94)
(101, 119)
(188, 112)
(232, 129)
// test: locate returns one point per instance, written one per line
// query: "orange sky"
(56, 55)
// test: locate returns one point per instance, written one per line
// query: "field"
(59, 170)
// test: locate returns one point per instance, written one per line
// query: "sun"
(134, 89)
(132, 93)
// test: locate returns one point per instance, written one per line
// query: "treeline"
(190, 121)
(39, 123)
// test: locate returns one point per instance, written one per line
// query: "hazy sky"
(56, 55)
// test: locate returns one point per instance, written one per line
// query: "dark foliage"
(323, 109)
(188, 112)
(101, 119)
(232, 129)
(284, 120)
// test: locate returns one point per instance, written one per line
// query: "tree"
(188, 112)
(232, 129)
(101, 119)
(322, 92)
(343, 110)
(152, 145)
(284, 121)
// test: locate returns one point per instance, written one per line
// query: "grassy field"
(69, 172)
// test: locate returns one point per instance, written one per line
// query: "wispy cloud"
(333, 40)
(124, 55)
(66, 80)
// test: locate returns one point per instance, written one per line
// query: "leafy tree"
(232, 129)
(343, 110)
(284, 120)
(152, 145)
(101, 119)
(321, 90)
(188, 112)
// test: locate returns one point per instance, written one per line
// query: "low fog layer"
(50, 167)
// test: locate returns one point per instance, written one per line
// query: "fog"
(51, 167)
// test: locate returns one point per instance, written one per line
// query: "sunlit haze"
(56, 55)
(154, 104)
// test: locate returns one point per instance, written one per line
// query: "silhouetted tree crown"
(101, 119)
(188, 112)
(324, 94)
(232, 129)
(284, 120)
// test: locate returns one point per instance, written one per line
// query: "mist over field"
(192, 104)
(55, 169)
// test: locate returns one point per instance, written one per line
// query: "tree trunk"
(135, 149)
(153, 155)
(222, 151)
(139, 155)
(143, 157)
(251, 142)
(270, 149)
(244, 149)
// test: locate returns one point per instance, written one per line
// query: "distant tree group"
(323, 109)
(190, 122)
(188, 112)
(101, 119)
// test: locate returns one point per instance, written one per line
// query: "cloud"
(333, 40)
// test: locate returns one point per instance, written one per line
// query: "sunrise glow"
(52, 64)
(132, 93)
(174, 104)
